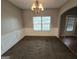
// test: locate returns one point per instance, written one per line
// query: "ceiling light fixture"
(37, 7)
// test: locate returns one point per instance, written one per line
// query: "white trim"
(10, 39)
(31, 32)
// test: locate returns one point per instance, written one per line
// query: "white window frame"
(67, 19)
(42, 24)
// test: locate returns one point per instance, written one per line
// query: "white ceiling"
(25, 4)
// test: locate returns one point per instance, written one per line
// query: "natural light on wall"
(41, 23)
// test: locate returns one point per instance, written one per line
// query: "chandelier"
(37, 7)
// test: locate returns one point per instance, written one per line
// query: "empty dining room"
(38, 29)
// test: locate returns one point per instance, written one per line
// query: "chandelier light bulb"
(37, 6)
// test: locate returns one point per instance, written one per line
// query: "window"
(45, 23)
(70, 21)
(37, 23)
(41, 23)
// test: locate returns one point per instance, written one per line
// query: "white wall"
(31, 32)
(11, 25)
(70, 4)
(28, 23)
